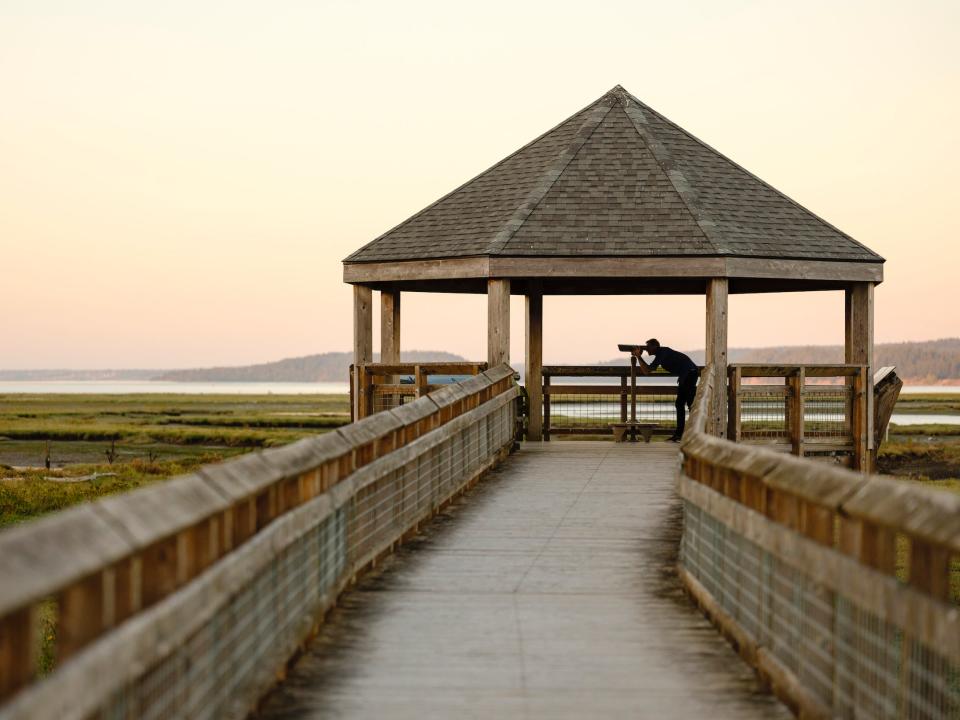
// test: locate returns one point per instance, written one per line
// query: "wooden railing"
(840, 587)
(380, 386)
(187, 598)
(590, 408)
(823, 418)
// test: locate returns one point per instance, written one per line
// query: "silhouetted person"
(678, 364)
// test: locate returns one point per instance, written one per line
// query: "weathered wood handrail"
(825, 420)
(580, 414)
(139, 580)
(802, 563)
(380, 389)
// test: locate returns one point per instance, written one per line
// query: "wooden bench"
(628, 430)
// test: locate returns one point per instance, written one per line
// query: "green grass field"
(125, 441)
(120, 442)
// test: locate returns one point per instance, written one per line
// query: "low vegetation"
(59, 450)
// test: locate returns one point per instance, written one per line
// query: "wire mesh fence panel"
(272, 590)
(388, 399)
(851, 661)
(596, 411)
(827, 412)
(763, 413)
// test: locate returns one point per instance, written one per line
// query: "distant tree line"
(920, 362)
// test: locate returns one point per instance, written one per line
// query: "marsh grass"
(149, 437)
(28, 493)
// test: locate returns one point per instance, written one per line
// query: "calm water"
(931, 389)
(905, 419)
(121, 387)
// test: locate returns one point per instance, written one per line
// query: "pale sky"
(179, 181)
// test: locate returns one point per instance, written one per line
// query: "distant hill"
(326, 367)
(919, 363)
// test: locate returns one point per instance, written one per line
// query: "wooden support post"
(18, 650)
(420, 378)
(81, 608)
(546, 408)
(534, 360)
(859, 351)
(498, 322)
(795, 404)
(390, 327)
(733, 405)
(716, 355)
(623, 398)
(362, 343)
(390, 339)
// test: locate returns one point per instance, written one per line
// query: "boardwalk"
(548, 592)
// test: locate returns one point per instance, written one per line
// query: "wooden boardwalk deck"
(547, 592)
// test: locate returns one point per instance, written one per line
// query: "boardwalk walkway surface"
(548, 592)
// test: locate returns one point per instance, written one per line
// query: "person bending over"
(678, 364)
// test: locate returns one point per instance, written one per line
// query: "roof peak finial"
(620, 92)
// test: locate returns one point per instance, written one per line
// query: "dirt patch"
(932, 466)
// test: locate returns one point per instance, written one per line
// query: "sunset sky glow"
(179, 181)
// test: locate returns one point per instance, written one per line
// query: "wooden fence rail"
(380, 387)
(591, 408)
(840, 587)
(793, 415)
(186, 598)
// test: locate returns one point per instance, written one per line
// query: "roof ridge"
(478, 175)
(669, 167)
(549, 178)
(625, 96)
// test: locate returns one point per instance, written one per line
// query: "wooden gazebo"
(614, 200)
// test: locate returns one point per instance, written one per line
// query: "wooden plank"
(887, 386)
(389, 338)
(39, 558)
(931, 620)
(587, 370)
(795, 410)
(733, 405)
(810, 270)
(80, 616)
(534, 361)
(431, 368)
(362, 342)
(716, 353)
(390, 326)
(930, 569)
(18, 650)
(546, 408)
(588, 389)
(420, 380)
(812, 370)
(452, 268)
(746, 391)
(606, 267)
(858, 350)
(498, 322)
(600, 267)
(831, 370)
(623, 399)
(397, 389)
(596, 371)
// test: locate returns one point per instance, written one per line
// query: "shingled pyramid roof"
(615, 179)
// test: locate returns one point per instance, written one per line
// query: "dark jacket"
(675, 363)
